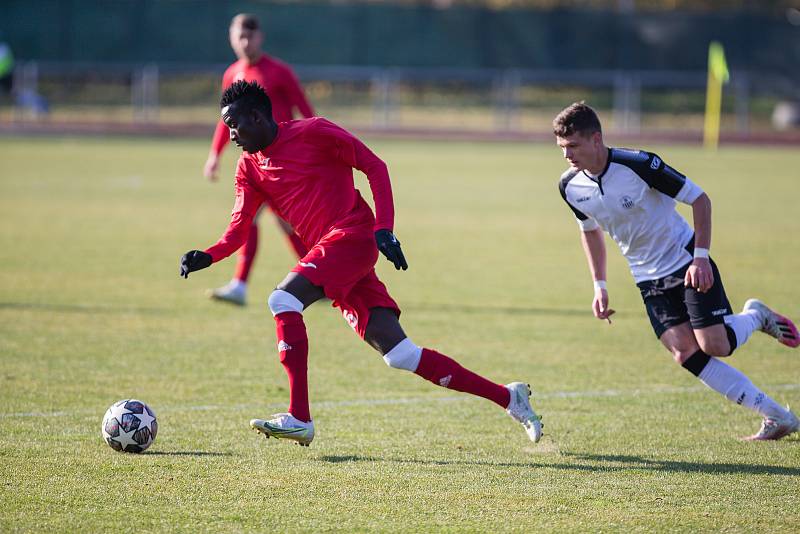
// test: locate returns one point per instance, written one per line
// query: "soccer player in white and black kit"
(631, 195)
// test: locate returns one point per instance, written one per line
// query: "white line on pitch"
(412, 400)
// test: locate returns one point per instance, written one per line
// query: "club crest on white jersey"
(626, 201)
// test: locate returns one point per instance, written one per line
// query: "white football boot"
(520, 410)
(773, 428)
(774, 324)
(233, 292)
(285, 426)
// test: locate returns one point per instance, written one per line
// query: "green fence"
(194, 31)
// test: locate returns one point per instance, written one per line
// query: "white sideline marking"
(412, 400)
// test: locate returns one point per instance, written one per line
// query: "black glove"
(390, 247)
(194, 260)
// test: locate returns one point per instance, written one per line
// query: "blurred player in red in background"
(304, 169)
(286, 94)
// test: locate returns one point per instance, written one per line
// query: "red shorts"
(343, 264)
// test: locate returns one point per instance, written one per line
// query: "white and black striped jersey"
(633, 199)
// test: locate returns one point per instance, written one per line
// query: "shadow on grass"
(676, 466)
(625, 463)
(371, 459)
(488, 309)
(186, 453)
(77, 308)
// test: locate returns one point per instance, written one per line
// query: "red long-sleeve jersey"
(280, 83)
(306, 176)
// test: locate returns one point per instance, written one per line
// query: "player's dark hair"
(250, 94)
(246, 21)
(577, 118)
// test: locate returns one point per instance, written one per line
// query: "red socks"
(293, 348)
(247, 255)
(433, 366)
(447, 373)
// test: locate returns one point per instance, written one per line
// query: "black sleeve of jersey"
(562, 187)
(652, 170)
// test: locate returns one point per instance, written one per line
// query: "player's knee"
(404, 355)
(682, 353)
(714, 346)
(681, 344)
(383, 331)
(281, 301)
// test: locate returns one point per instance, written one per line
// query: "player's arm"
(377, 174)
(670, 182)
(699, 274)
(248, 200)
(356, 154)
(218, 142)
(594, 247)
(297, 96)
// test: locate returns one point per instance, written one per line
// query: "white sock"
(736, 387)
(743, 325)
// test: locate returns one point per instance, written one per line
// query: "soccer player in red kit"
(304, 169)
(286, 94)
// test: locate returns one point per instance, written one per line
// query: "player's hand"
(600, 305)
(194, 260)
(699, 275)
(390, 247)
(210, 168)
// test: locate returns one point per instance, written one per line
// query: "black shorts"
(670, 303)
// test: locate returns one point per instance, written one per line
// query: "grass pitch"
(92, 310)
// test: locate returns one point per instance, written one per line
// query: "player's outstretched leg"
(296, 425)
(235, 291)
(383, 333)
(515, 398)
(777, 421)
(773, 324)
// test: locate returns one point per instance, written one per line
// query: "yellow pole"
(713, 111)
(717, 75)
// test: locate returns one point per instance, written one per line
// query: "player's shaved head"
(246, 37)
(246, 21)
(576, 118)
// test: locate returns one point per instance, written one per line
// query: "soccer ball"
(129, 426)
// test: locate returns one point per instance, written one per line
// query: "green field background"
(92, 310)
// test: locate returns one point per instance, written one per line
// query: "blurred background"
(451, 68)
